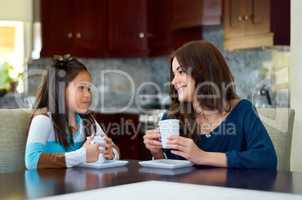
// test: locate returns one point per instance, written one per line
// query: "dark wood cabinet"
(189, 17)
(280, 21)
(247, 24)
(76, 27)
(94, 28)
(123, 28)
(175, 22)
(57, 26)
(125, 130)
(90, 28)
(127, 28)
(159, 27)
(190, 13)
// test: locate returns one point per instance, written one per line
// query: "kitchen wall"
(252, 68)
(17, 10)
(256, 68)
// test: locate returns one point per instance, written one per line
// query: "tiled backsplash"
(117, 79)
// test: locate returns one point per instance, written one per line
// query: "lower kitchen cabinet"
(125, 130)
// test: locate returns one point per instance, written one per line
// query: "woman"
(217, 127)
(61, 125)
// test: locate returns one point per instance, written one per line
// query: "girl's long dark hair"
(205, 64)
(51, 97)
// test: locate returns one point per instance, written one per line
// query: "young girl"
(61, 131)
(217, 127)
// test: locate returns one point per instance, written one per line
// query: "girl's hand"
(92, 150)
(152, 143)
(108, 145)
(186, 148)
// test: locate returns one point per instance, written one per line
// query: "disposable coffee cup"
(167, 128)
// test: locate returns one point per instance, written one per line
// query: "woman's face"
(78, 93)
(183, 83)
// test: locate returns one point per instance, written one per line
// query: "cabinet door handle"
(78, 35)
(69, 35)
(240, 19)
(141, 35)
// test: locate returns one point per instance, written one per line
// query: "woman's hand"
(108, 146)
(152, 143)
(92, 151)
(186, 148)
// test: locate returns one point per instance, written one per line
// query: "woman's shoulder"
(243, 105)
(243, 109)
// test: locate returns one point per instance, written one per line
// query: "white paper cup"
(168, 128)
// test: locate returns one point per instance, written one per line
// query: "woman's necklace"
(207, 126)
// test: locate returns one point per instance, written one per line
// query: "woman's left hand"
(186, 148)
(108, 153)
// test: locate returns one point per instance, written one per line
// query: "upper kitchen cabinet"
(94, 28)
(90, 28)
(188, 18)
(247, 24)
(127, 28)
(76, 27)
(159, 22)
(192, 13)
(123, 28)
(57, 26)
(280, 21)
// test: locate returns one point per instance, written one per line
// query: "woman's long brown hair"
(206, 65)
(51, 97)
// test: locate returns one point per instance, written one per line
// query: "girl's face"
(78, 93)
(183, 83)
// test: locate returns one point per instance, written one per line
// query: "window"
(12, 49)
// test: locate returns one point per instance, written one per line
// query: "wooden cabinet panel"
(280, 21)
(73, 26)
(247, 24)
(212, 10)
(90, 28)
(127, 28)
(124, 130)
(123, 28)
(57, 26)
(190, 13)
(258, 17)
(159, 22)
(233, 20)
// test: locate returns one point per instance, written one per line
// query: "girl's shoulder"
(41, 116)
(41, 111)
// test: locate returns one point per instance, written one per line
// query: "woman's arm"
(260, 152)
(186, 148)
(214, 159)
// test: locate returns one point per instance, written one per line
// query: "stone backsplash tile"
(115, 79)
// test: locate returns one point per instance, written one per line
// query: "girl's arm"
(35, 155)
